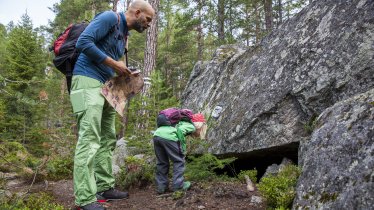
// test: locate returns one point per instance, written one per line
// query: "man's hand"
(134, 72)
(118, 66)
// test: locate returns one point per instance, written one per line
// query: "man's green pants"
(96, 140)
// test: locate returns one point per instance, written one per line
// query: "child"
(169, 144)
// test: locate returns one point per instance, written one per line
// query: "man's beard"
(138, 26)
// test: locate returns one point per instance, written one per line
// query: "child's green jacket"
(177, 133)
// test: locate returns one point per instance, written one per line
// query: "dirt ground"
(222, 195)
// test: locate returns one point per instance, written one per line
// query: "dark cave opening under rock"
(261, 159)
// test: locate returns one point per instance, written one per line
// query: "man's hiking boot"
(92, 206)
(113, 194)
(100, 198)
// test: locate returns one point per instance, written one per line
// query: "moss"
(225, 53)
(328, 197)
(33, 201)
(311, 124)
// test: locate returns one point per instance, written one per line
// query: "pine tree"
(23, 78)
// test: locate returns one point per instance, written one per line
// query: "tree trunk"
(150, 46)
(280, 12)
(149, 58)
(200, 36)
(127, 4)
(221, 20)
(248, 27)
(257, 22)
(115, 5)
(167, 71)
(268, 14)
(125, 120)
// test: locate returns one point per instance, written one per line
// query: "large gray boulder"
(266, 95)
(338, 163)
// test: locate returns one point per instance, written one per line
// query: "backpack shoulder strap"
(124, 37)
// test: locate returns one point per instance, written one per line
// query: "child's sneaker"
(186, 185)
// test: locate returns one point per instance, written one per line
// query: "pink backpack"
(172, 116)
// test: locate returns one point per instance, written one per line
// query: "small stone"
(201, 207)
(256, 199)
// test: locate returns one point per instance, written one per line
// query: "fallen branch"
(164, 195)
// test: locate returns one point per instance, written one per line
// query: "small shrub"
(178, 194)
(60, 168)
(311, 124)
(197, 145)
(252, 174)
(203, 167)
(15, 157)
(279, 190)
(136, 173)
(140, 144)
(40, 201)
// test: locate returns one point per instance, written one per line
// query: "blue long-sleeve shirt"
(100, 39)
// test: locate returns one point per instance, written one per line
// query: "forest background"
(37, 127)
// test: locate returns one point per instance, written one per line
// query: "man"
(101, 45)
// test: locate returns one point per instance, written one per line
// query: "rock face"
(317, 65)
(338, 161)
(264, 96)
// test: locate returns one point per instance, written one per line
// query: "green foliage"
(70, 11)
(15, 157)
(252, 174)
(60, 168)
(137, 173)
(40, 201)
(203, 168)
(279, 190)
(196, 145)
(22, 74)
(178, 194)
(311, 125)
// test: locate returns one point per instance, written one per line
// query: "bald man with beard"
(101, 46)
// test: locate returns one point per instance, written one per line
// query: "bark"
(200, 36)
(114, 5)
(127, 4)
(280, 12)
(257, 22)
(221, 20)
(248, 27)
(125, 120)
(151, 45)
(268, 14)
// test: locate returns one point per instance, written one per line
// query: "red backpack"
(64, 49)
